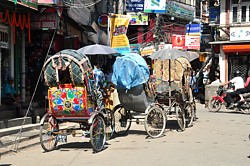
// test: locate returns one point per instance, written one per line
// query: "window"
(234, 14)
(240, 12)
(243, 13)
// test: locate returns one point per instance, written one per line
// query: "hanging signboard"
(180, 10)
(4, 37)
(43, 21)
(138, 18)
(134, 5)
(155, 6)
(118, 29)
(193, 29)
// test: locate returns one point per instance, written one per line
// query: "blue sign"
(214, 13)
(193, 28)
(135, 5)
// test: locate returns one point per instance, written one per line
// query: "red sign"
(46, 20)
(178, 41)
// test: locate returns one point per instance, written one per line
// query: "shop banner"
(178, 41)
(118, 29)
(239, 33)
(27, 3)
(4, 37)
(192, 42)
(138, 18)
(134, 5)
(155, 6)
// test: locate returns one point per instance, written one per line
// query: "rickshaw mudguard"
(151, 105)
(96, 113)
(43, 118)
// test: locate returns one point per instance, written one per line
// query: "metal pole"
(0, 74)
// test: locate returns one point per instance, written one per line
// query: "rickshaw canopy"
(77, 63)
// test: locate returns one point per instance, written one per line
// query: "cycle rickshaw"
(156, 97)
(71, 98)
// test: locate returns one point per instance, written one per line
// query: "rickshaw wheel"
(109, 122)
(97, 133)
(189, 113)
(155, 122)
(47, 133)
(122, 120)
(180, 116)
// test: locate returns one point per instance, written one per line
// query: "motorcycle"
(216, 102)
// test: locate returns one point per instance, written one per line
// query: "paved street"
(216, 139)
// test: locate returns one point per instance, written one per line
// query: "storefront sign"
(192, 42)
(46, 20)
(138, 18)
(178, 41)
(193, 29)
(118, 30)
(153, 6)
(4, 37)
(134, 5)
(239, 33)
(32, 4)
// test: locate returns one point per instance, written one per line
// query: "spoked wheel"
(48, 135)
(97, 133)
(109, 122)
(155, 122)
(214, 105)
(122, 120)
(180, 116)
(189, 113)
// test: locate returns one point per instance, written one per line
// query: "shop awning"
(236, 48)
(229, 42)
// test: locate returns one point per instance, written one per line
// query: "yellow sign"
(118, 29)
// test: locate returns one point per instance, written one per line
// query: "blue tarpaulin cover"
(129, 71)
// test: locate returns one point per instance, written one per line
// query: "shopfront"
(238, 56)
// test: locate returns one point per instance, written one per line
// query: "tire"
(47, 134)
(97, 133)
(245, 111)
(189, 114)
(122, 120)
(110, 123)
(155, 122)
(214, 105)
(180, 116)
